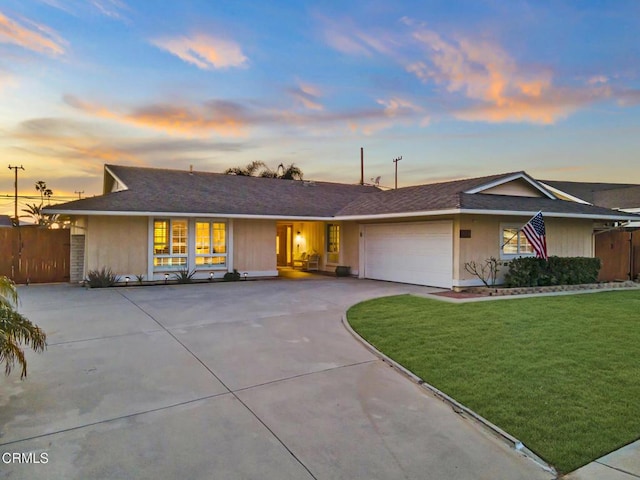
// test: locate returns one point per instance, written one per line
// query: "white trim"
(118, 213)
(116, 178)
(562, 193)
(150, 249)
(510, 256)
(378, 216)
(229, 246)
(516, 176)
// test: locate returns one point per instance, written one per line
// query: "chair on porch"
(312, 263)
(307, 262)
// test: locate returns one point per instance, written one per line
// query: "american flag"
(536, 234)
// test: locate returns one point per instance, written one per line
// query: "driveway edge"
(457, 407)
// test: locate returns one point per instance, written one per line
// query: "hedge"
(533, 271)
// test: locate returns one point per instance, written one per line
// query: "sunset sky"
(457, 88)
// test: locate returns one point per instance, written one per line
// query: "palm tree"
(260, 169)
(254, 169)
(16, 329)
(290, 172)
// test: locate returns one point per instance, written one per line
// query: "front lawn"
(562, 374)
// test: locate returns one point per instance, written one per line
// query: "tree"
(35, 211)
(260, 169)
(254, 169)
(290, 172)
(16, 329)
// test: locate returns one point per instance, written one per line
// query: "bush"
(533, 272)
(232, 276)
(184, 276)
(102, 278)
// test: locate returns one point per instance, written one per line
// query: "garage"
(419, 252)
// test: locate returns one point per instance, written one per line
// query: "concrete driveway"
(228, 380)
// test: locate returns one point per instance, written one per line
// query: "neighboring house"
(5, 221)
(618, 248)
(155, 221)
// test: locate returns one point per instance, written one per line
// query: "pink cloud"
(204, 51)
(501, 90)
(30, 35)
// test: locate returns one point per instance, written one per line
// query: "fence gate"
(619, 252)
(34, 255)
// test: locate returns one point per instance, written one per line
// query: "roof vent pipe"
(190, 169)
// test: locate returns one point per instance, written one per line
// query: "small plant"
(487, 271)
(140, 278)
(102, 278)
(184, 275)
(232, 276)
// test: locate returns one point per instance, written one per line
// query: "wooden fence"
(34, 255)
(620, 255)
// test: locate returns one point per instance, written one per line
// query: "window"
(333, 243)
(514, 243)
(170, 243)
(211, 244)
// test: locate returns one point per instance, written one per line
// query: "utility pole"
(79, 194)
(16, 192)
(396, 160)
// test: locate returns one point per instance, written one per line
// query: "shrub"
(232, 276)
(102, 278)
(533, 272)
(184, 276)
(487, 271)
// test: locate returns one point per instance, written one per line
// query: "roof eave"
(379, 216)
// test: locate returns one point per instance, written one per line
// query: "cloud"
(204, 51)
(31, 35)
(110, 8)
(113, 9)
(307, 95)
(344, 36)
(499, 90)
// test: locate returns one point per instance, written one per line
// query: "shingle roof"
(176, 192)
(609, 195)
(433, 196)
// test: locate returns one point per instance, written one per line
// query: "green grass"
(562, 374)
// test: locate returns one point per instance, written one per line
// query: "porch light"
(298, 237)
(166, 277)
(126, 281)
(210, 276)
(245, 275)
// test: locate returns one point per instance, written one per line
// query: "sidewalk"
(623, 464)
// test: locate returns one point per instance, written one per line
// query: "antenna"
(396, 160)
(79, 194)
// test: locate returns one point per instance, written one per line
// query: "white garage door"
(419, 253)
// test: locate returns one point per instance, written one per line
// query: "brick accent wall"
(76, 273)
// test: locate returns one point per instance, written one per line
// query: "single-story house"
(151, 221)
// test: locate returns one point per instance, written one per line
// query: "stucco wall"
(119, 243)
(565, 238)
(254, 245)
(517, 188)
(351, 246)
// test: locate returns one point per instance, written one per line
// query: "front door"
(284, 239)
